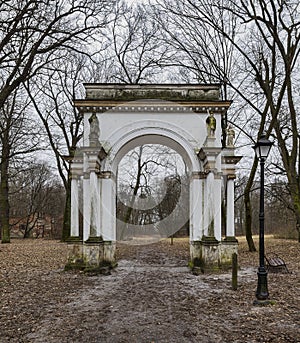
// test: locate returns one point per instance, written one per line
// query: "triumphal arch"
(190, 119)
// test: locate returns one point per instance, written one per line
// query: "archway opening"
(152, 194)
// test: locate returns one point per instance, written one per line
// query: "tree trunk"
(296, 202)
(248, 222)
(67, 212)
(4, 202)
(248, 210)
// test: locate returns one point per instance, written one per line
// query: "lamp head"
(262, 147)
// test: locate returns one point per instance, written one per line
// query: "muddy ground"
(150, 297)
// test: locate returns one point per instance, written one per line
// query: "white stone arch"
(189, 119)
(147, 135)
(146, 132)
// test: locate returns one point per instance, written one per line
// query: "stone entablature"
(169, 92)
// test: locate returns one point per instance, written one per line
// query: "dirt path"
(150, 297)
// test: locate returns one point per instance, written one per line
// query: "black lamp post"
(262, 149)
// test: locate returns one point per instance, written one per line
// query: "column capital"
(106, 175)
(208, 156)
(75, 176)
(199, 175)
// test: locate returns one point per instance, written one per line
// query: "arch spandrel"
(143, 133)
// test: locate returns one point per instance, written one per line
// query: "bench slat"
(275, 263)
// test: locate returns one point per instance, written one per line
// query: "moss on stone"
(76, 265)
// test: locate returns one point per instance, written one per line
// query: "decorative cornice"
(151, 106)
(97, 151)
(231, 159)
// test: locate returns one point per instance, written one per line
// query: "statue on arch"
(94, 130)
(211, 124)
(230, 136)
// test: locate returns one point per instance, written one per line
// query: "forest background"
(48, 48)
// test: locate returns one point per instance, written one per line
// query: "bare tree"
(253, 47)
(19, 136)
(30, 196)
(53, 102)
(276, 27)
(36, 33)
(33, 35)
(133, 53)
(144, 169)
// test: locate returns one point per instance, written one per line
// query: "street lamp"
(262, 149)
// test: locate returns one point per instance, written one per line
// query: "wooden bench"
(275, 264)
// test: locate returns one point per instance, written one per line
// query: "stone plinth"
(75, 254)
(97, 254)
(228, 247)
(212, 255)
(92, 254)
(205, 255)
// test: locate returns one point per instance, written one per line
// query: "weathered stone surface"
(75, 253)
(162, 92)
(210, 254)
(226, 249)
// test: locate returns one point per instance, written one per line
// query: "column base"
(228, 247)
(93, 256)
(204, 255)
(209, 255)
(75, 253)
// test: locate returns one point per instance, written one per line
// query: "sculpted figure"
(94, 130)
(230, 136)
(211, 124)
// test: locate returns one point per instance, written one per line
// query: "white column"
(86, 207)
(230, 208)
(74, 208)
(209, 206)
(217, 207)
(94, 205)
(196, 208)
(99, 199)
(108, 208)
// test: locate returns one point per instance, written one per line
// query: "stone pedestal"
(92, 254)
(211, 255)
(205, 255)
(98, 254)
(75, 253)
(228, 247)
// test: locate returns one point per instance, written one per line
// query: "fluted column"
(196, 207)
(86, 206)
(108, 207)
(74, 208)
(230, 232)
(94, 205)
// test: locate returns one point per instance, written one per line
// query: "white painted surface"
(74, 208)
(95, 205)
(196, 216)
(230, 209)
(108, 209)
(86, 208)
(209, 203)
(217, 208)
